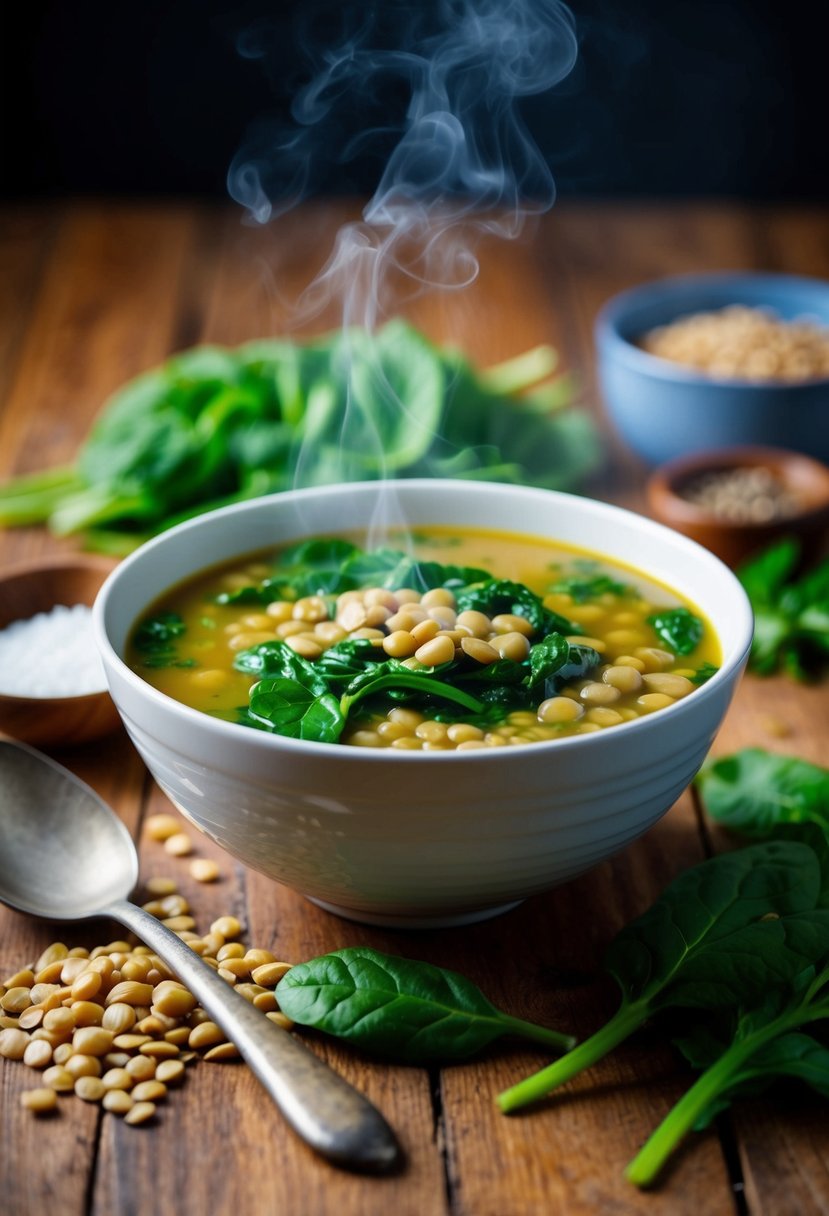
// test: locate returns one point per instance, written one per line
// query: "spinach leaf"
(582, 588)
(291, 708)
(678, 628)
(159, 631)
(411, 1011)
(546, 658)
(496, 596)
(277, 659)
(753, 791)
(704, 673)
(791, 616)
(725, 929)
(580, 662)
(212, 426)
(747, 1049)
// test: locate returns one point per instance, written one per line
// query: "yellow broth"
(638, 673)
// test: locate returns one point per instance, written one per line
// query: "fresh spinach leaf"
(750, 1046)
(212, 426)
(411, 1011)
(730, 927)
(753, 791)
(791, 616)
(678, 628)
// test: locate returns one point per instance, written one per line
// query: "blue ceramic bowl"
(664, 410)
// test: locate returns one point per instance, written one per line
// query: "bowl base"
(386, 921)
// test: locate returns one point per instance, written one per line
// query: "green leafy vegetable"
(354, 672)
(723, 930)
(155, 640)
(757, 1042)
(754, 791)
(791, 616)
(213, 426)
(704, 673)
(411, 1011)
(494, 596)
(295, 697)
(678, 628)
(583, 588)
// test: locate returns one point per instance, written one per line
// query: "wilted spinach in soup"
(454, 641)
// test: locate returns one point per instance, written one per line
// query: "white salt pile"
(52, 654)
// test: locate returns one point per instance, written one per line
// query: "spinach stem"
(541, 1034)
(520, 372)
(623, 1023)
(30, 499)
(422, 683)
(721, 1076)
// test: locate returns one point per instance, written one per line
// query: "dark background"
(669, 97)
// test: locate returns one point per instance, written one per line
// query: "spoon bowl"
(65, 855)
(52, 864)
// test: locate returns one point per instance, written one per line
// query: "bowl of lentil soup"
(703, 361)
(279, 674)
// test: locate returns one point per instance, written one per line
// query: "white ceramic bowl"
(407, 838)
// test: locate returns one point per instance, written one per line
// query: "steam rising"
(463, 163)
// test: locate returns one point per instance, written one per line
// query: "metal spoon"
(65, 855)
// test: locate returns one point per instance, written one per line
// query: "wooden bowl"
(807, 480)
(39, 586)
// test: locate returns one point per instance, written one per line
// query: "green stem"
(623, 1023)
(32, 499)
(420, 683)
(34, 483)
(648, 1162)
(519, 373)
(540, 1034)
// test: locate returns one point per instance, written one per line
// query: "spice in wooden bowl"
(737, 501)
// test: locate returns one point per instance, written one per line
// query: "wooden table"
(90, 295)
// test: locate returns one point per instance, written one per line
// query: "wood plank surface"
(91, 294)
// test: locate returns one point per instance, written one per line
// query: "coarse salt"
(52, 654)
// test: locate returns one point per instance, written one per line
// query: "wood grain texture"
(92, 294)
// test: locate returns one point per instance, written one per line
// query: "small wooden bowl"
(39, 586)
(807, 480)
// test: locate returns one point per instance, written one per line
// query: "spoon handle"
(323, 1108)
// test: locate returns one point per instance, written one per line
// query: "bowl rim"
(729, 669)
(614, 310)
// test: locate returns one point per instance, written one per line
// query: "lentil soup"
(462, 641)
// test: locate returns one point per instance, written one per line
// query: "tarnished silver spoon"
(65, 855)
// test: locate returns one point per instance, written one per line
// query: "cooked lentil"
(426, 629)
